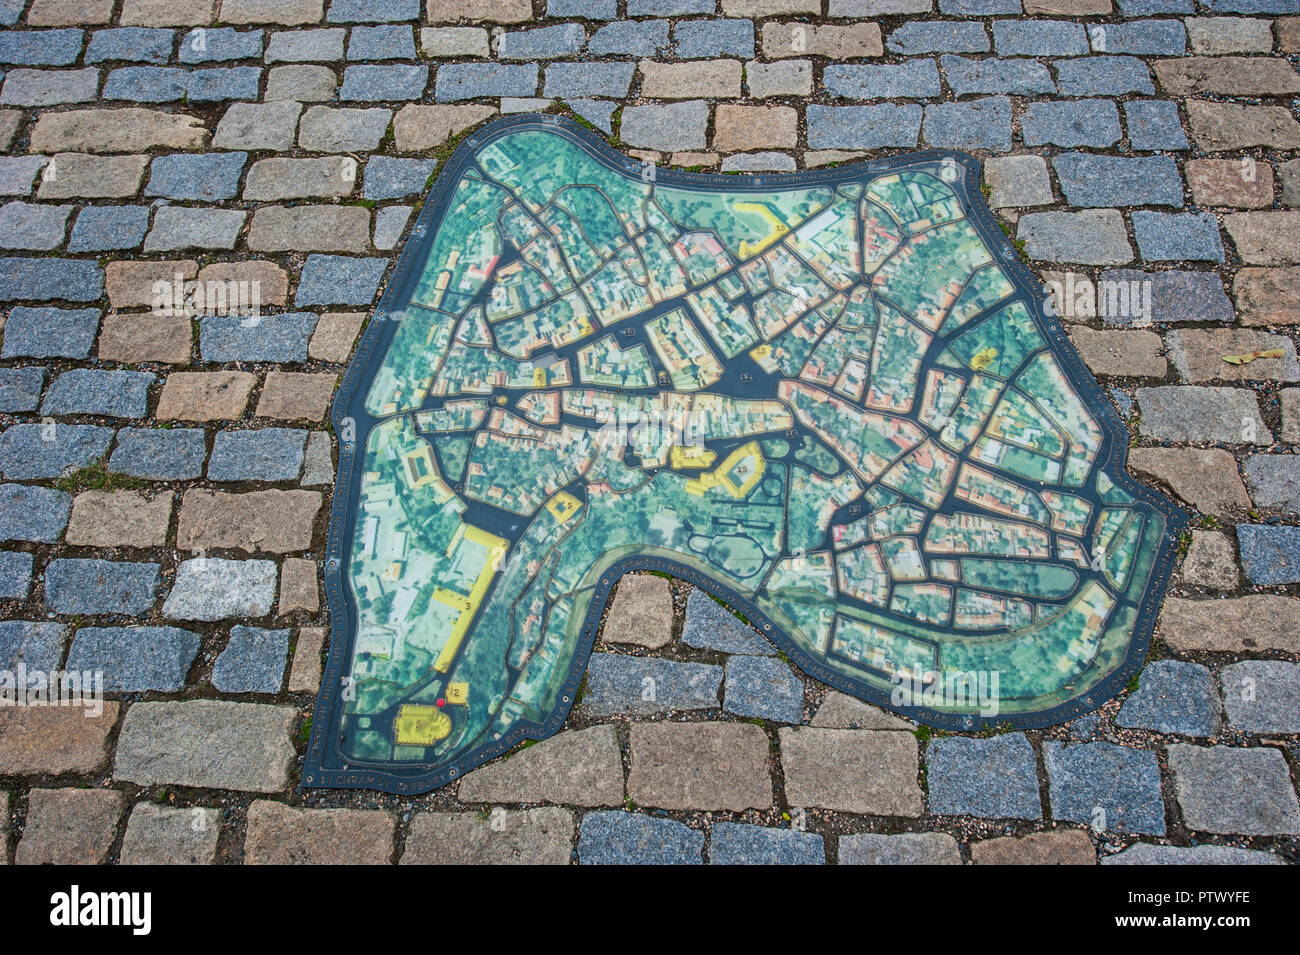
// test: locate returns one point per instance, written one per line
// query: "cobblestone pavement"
(165, 478)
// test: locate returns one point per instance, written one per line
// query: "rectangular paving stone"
(33, 513)
(1154, 124)
(622, 684)
(938, 36)
(630, 37)
(109, 228)
(1130, 353)
(114, 394)
(296, 396)
(1201, 413)
(40, 47)
(163, 835)
(1085, 122)
(329, 130)
(1102, 76)
(283, 835)
(788, 78)
(713, 79)
(210, 744)
(93, 586)
(708, 766)
(369, 83)
(146, 84)
(30, 227)
(35, 451)
(1175, 296)
(994, 778)
(1198, 354)
(49, 332)
(69, 826)
(1274, 480)
(1090, 237)
(1218, 35)
(1177, 237)
(863, 127)
(1059, 847)
(31, 645)
(588, 79)
(839, 42)
(15, 574)
(1142, 37)
(18, 174)
(210, 588)
(317, 228)
(20, 388)
(454, 42)
(1222, 127)
(632, 838)
(737, 843)
(305, 675)
(24, 87)
(1110, 788)
(159, 454)
(1262, 696)
(1039, 38)
(701, 39)
(1265, 238)
(222, 44)
(1101, 181)
(252, 662)
(905, 848)
(339, 280)
(1270, 554)
(575, 768)
(269, 521)
(277, 179)
(542, 836)
(177, 227)
(262, 454)
(135, 659)
(202, 178)
(1234, 790)
(119, 519)
(861, 771)
(372, 11)
(1025, 77)
(763, 688)
(274, 338)
(50, 279)
(387, 42)
(1173, 697)
(973, 124)
(77, 175)
(462, 81)
(670, 127)
(258, 126)
(53, 740)
(911, 78)
(305, 46)
(171, 12)
(1240, 183)
(417, 128)
(1227, 75)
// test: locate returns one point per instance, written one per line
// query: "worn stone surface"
(1206, 479)
(135, 659)
(305, 675)
(1274, 480)
(78, 585)
(906, 848)
(1268, 296)
(283, 835)
(1253, 622)
(763, 688)
(69, 826)
(841, 711)
(55, 739)
(261, 454)
(334, 336)
(1201, 355)
(1200, 413)
(699, 766)
(252, 662)
(162, 835)
(641, 612)
(861, 771)
(1090, 237)
(216, 588)
(575, 767)
(1107, 787)
(1262, 696)
(119, 519)
(208, 744)
(542, 836)
(1130, 353)
(995, 778)
(1270, 554)
(1143, 853)
(631, 838)
(642, 686)
(1061, 847)
(1210, 561)
(1018, 181)
(735, 843)
(1234, 790)
(709, 625)
(1173, 697)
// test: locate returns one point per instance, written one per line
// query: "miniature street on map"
(826, 401)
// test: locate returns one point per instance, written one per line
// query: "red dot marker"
(441, 701)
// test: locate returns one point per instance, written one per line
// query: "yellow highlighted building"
(420, 725)
(779, 228)
(737, 474)
(492, 550)
(563, 506)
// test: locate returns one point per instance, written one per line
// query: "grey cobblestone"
(995, 778)
(384, 83)
(206, 178)
(567, 80)
(1091, 237)
(697, 39)
(863, 127)
(49, 87)
(387, 42)
(1085, 122)
(41, 47)
(1039, 38)
(1274, 479)
(135, 659)
(1176, 697)
(139, 44)
(220, 44)
(252, 662)
(1262, 696)
(1103, 76)
(1177, 237)
(973, 124)
(1270, 554)
(543, 43)
(32, 513)
(31, 227)
(20, 388)
(159, 454)
(671, 127)
(629, 37)
(1143, 37)
(91, 586)
(992, 75)
(305, 46)
(278, 338)
(763, 687)
(938, 36)
(176, 227)
(912, 78)
(1201, 413)
(73, 280)
(109, 228)
(115, 394)
(339, 280)
(647, 685)
(1092, 181)
(464, 81)
(263, 454)
(15, 574)
(35, 451)
(737, 843)
(629, 838)
(1234, 790)
(1111, 788)
(38, 646)
(211, 588)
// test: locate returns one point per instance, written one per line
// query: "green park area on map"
(829, 399)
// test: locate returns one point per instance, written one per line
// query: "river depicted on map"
(833, 400)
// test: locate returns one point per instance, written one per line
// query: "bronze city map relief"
(833, 400)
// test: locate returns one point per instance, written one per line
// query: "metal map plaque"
(834, 400)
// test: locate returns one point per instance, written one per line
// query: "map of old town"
(831, 400)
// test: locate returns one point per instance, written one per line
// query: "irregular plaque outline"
(326, 767)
